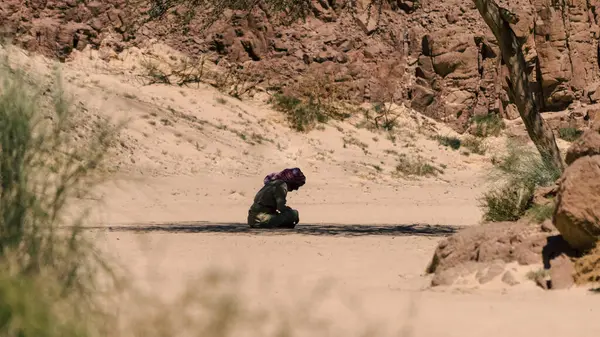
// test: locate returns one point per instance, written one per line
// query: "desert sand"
(190, 160)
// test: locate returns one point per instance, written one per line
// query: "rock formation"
(448, 64)
(577, 215)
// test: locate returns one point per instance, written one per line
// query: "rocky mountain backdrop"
(437, 56)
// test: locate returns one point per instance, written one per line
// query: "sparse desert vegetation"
(313, 100)
(569, 134)
(416, 166)
(452, 142)
(488, 125)
(517, 174)
(473, 144)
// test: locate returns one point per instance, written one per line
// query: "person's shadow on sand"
(303, 229)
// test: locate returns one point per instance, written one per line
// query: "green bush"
(488, 125)
(506, 203)
(304, 114)
(569, 134)
(519, 173)
(451, 142)
(541, 213)
(301, 115)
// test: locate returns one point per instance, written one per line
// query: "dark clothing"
(269, 209)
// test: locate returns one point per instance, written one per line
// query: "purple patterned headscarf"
(291, 176)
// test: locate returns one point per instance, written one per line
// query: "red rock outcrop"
(577, 215)
(446, 62)
(55, 28)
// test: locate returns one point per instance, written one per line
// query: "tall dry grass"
(517, 175)
(48, 275)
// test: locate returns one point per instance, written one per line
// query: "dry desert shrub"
(315, 98)
(238, 80)
(517, 175)
(449, 141)
(49, 273)
(587, 268)
(177, 71)
(488, 125)
(415, 166)
(388, 94)
(475, 144)
(232, 79)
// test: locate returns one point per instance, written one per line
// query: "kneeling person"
(269, 209)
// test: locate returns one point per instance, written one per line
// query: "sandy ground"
(374, 280)
(191, 159)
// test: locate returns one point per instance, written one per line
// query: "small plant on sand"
(415, 167)
(315, 99)
(302, 116)
(451, 142)
(387, 95)
(384, 116)
(506, 203)
(537, 275)
(541, 213)
(488, 125)
(181, 72)
(353, 141)
(569, 134)
(236, 80)
(475, 144)
(518, 174)
(233, 79)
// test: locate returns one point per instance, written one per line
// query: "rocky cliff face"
(460, 72)
(439, 55)
(55, 28)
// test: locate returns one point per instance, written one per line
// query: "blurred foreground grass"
(48, 276)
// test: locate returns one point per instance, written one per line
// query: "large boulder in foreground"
(491, 251)
(577, 215)
(586, 145)
(485, 250)
(506, 241)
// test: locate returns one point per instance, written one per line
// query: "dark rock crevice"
(593, 21)
(565, 18)
(539, 90)
(591, 10)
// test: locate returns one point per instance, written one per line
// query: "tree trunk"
(499, 19)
